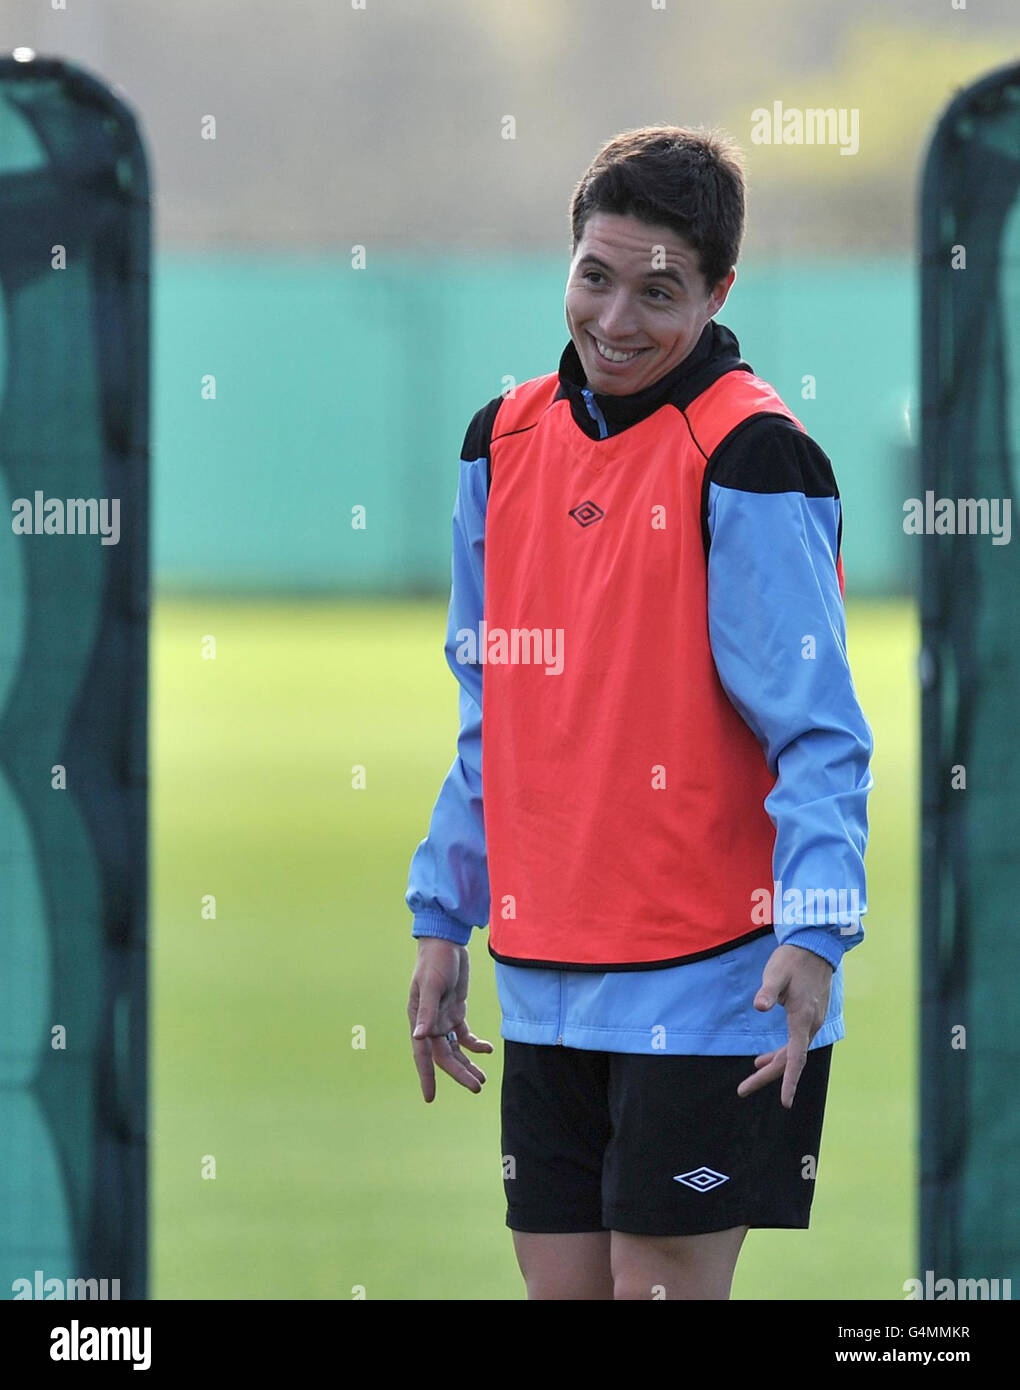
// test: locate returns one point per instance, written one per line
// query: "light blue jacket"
(817, 744)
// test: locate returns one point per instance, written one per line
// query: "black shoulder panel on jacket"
(768, 453)
(478, 437)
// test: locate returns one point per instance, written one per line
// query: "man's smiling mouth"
(614, 354)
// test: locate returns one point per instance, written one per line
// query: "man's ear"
(722, 289)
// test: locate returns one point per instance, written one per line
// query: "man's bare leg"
(652, 1267)
(574, 1266)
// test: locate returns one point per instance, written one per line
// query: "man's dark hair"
(691, 180)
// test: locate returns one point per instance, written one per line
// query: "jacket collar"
(716, 352)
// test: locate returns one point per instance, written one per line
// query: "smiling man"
(631, 324)
(700, 760)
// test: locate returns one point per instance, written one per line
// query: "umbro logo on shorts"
(701, 1179)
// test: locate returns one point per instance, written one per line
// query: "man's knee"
(672, 1267)
(570, 1266)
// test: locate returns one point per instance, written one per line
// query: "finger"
(768, 1072)
(773, 986)
(412, 1003)
(428, 1007)
(796, 1056)
(467, 1039)
(471, 1067)
(464, 1072)
(774, 981)
(454, 1045)
(422, 1048)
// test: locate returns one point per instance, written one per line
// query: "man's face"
(626, 293)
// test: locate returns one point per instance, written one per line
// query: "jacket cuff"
(437, 923)
(822, 942)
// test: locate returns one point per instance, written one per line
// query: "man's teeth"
(614, 356)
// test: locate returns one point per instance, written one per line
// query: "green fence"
(290, 392)
(970, 1215)
(74, 402)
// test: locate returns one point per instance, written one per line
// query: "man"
(668, 844)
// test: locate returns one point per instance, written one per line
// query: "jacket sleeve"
(778, 634)
(448, 883)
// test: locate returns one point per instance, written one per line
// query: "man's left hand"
(800, 981)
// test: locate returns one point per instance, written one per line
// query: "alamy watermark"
(812, 125)
(959, 516)
(78, 1343)
(515, 646)
(940, 1289)
(39, 1287)
(75, 516)
(807, 907)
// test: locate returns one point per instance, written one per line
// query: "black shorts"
(655, 1145)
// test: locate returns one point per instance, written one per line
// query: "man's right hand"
(436, 1006)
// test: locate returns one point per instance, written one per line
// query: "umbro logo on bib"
(701, 1179)
(587, 513)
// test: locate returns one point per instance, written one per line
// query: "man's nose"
(618, 319)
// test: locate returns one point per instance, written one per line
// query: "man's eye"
(654, 289)
(588, 273)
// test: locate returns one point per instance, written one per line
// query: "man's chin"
(622, 383)
(616, 383)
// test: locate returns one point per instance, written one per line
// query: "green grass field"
(330, 1171)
